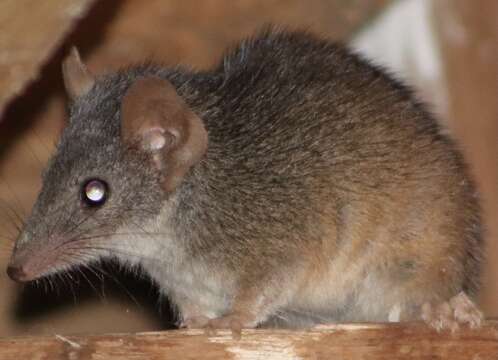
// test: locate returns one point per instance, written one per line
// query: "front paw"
(194, 322)
(233, 322)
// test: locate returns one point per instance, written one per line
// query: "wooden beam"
(468, 37)
(31, 32)
(341, 341)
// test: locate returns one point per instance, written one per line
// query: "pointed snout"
(23, 265)
(28, 262)
(17, 273)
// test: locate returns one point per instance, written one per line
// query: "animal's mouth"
(28, 268)
(19, 274)
(28, 265)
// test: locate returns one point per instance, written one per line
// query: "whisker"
(101, 296)
(31, 151)
(97, 275)
(121, 286)
(14, 195)
(14, 217)
(121, 252)
(42, 142)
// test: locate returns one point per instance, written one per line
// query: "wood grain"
(30, 32)
(342, 341)
(468, 33)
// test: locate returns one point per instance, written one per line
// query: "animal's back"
(322, 165)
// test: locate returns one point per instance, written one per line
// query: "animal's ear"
(77, 79)
(156, 118)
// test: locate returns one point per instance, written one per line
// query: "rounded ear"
(77, 79)
(156, 118)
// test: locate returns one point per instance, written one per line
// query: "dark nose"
(16, 273)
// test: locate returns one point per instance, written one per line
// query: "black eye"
(94, 192)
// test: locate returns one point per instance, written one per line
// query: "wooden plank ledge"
(340, 341)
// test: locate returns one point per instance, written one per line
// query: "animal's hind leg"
(459, 310)
(253, 305)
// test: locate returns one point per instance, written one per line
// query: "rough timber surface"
(30, 32)
(342, 341)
